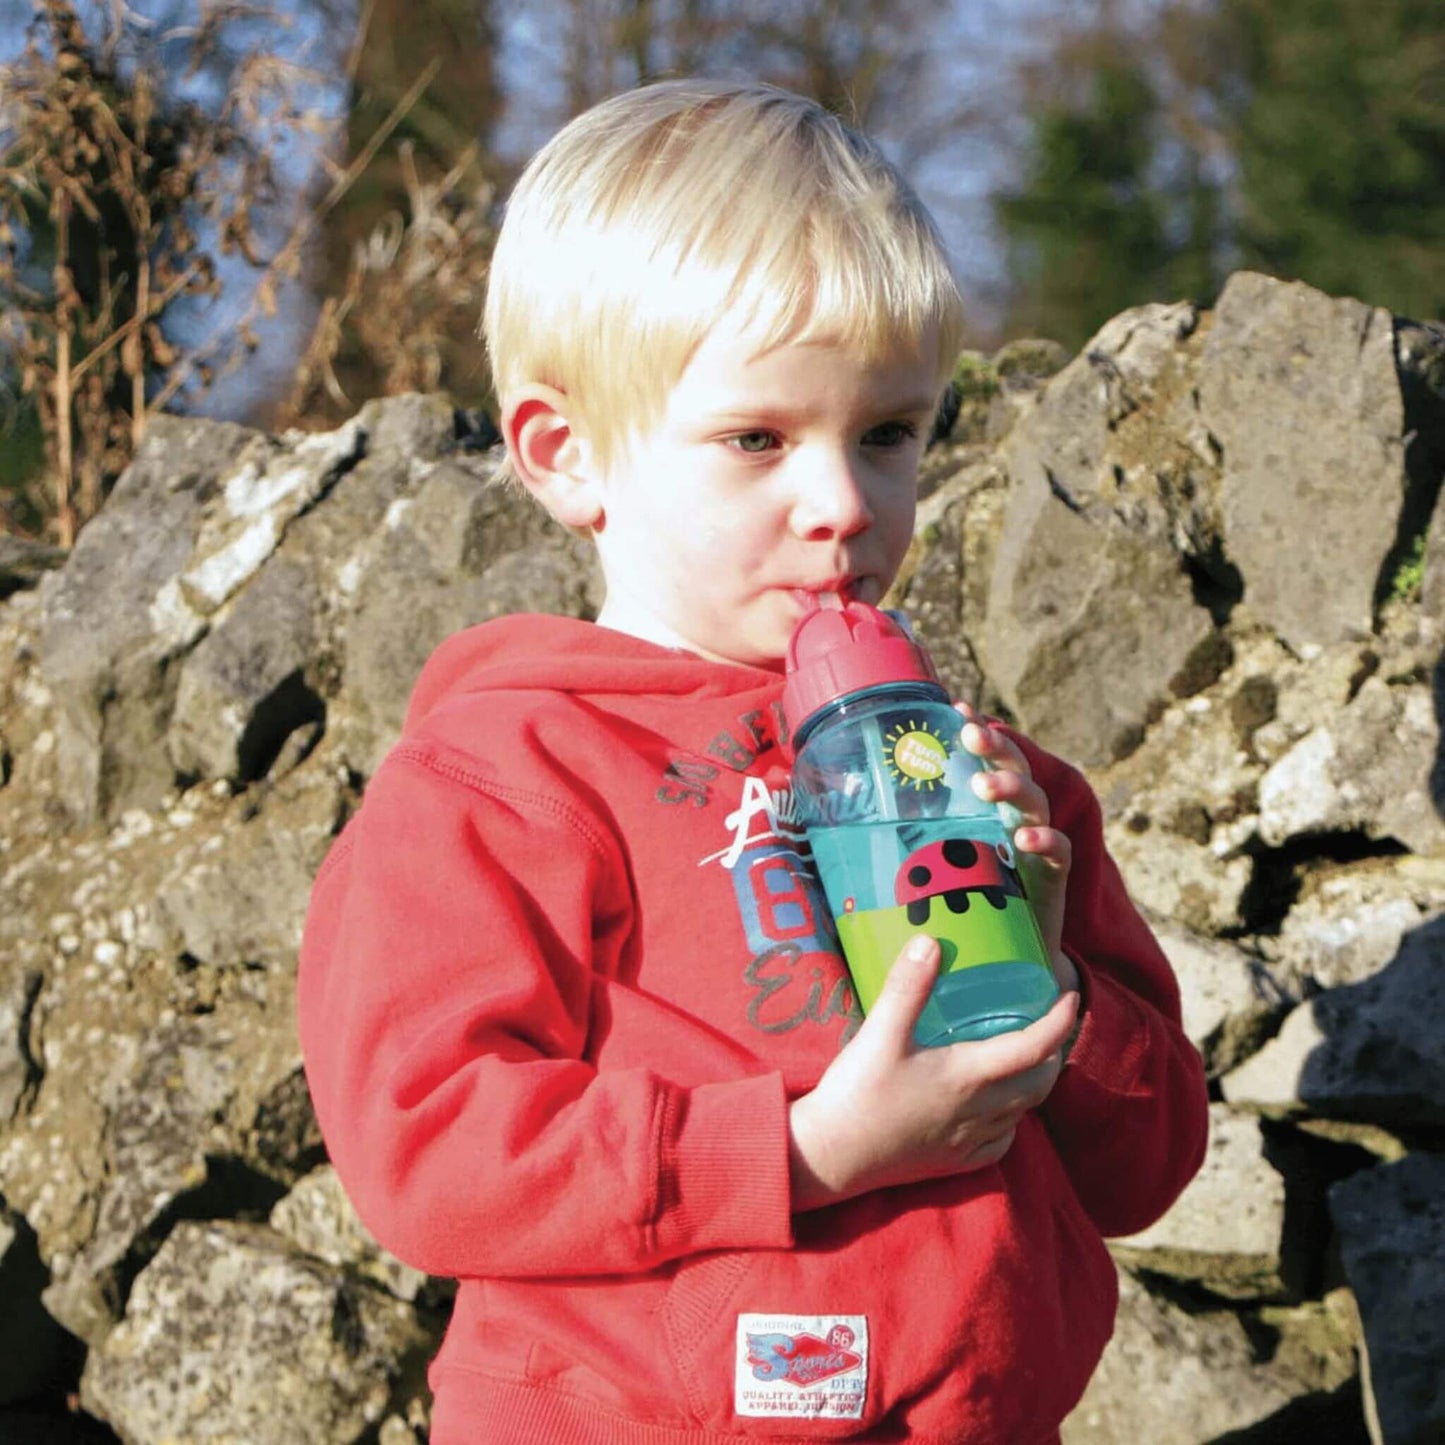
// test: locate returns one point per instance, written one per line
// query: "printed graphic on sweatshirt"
(796, 972)
(689, 778)
(809, 1366)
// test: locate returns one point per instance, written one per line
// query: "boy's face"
(768, 476)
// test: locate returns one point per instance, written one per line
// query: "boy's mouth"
(847, 588)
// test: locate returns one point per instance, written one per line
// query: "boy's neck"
(622, 614)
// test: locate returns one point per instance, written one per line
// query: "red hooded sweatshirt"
(563, 973)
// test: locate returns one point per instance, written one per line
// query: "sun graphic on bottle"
(916, 755)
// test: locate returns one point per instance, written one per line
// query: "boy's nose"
(831, 502)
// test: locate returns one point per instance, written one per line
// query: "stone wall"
(1190, 559)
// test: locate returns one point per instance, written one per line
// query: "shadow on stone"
(1337, 1417)
(38, 1424)
(37, 1357)
(1274, 882)
(291, 705)
(1380, 1058)
(232, 1190)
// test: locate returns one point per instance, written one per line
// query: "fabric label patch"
(808, 1366)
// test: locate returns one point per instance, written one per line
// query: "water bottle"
(900, 840)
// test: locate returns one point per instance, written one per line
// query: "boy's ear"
(549, 456)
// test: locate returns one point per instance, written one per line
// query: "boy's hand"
(1044, 852)
(888, 1112)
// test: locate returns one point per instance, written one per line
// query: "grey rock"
(1173, 1377)
(318, 1217)
(1302, 393)
(1349, 921)
(274, 484)
(1226, 1231)
(1029, 359)
(941, 588)
(195, 517)
(1194, 776)
(415, 424)
(1091, 619)
(467, 549)
(172, 1132)
(242, 690)
(23, 564)
(232, 1334)
(1117, 433)
(1391, 1222)
(1367, 771)
(1179, 814)
(242, 903)
(1175, 877)
(1230, 998)
(18, 1070)
(1003, 388)
(1373, 1051)
(99, 651)
(1309, 692)
(1072, 603)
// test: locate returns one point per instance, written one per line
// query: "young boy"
(575, 1021)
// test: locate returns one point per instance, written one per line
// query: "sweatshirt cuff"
(724, 1168)
(1112, 1039)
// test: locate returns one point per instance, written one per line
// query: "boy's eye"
(753, 442)
(891, 434)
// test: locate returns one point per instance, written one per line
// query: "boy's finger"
(996, 747)
(905, 991)
(1047, 845)
(973, 715)
(1002, 785)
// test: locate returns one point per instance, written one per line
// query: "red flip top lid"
(841, 647)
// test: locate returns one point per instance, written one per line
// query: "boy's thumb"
(906, 989)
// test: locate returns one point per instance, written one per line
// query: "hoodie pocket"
(967, 1308)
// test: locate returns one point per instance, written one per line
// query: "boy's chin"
(764, 648)
(766, 657)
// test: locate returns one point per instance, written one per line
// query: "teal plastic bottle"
(900, 840)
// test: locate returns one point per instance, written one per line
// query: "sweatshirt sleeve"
(1129, 1115)
(456, 940)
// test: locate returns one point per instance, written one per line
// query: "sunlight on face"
(769, 476)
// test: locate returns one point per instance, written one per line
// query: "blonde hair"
(655, 215)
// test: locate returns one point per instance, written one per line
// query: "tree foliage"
(1304, 138)
(1337, 118)
(1095, 224)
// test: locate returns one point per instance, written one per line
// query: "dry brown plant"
(414, 286)
(105, 194)
(116, 199)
